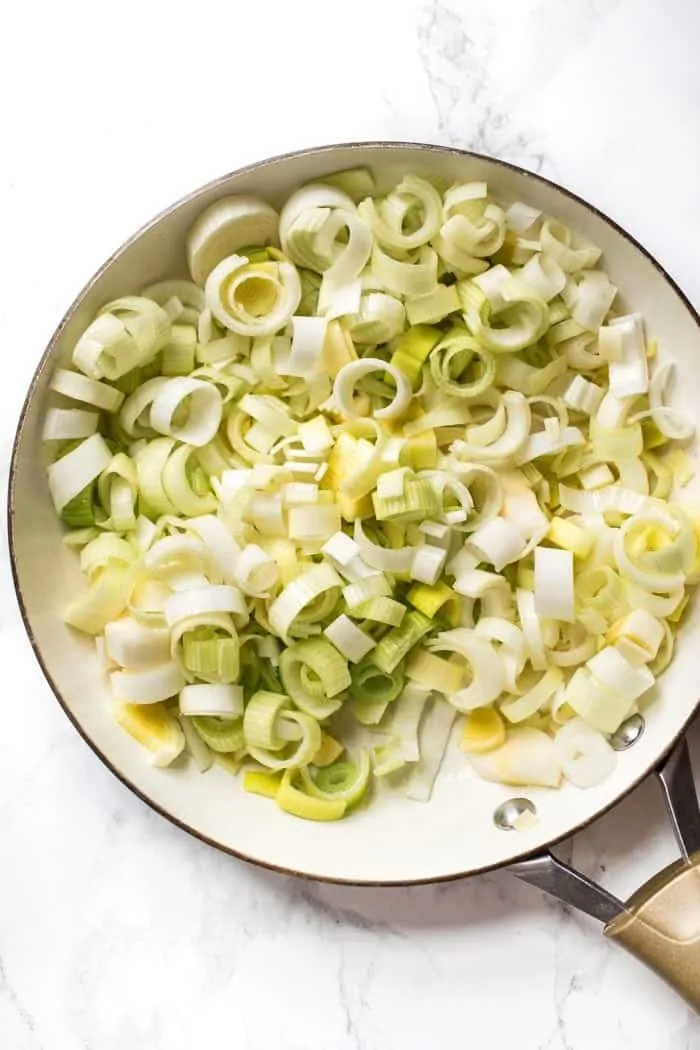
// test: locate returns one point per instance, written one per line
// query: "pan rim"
(314, 151)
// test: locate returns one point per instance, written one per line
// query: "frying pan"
(468, 826)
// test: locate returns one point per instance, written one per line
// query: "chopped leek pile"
(388, 460)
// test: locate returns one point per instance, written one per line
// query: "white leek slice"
(200, 401)
(629, 375)
(610, 343)
(673, 424)
(407, 712)
(475, 583)
(131, 645)
(455, 244)
(254, 299)
(434, 672)
(594, 702)
(186, 292)
(584, 396)
(574, 646)
(513, 372)
(594, 297)
(520, 217)
(639, 636)
(313, 524)
(269, 411)
(315, 435)
(511, 441)
(387, 219)
(117, 488)
(349, 640)
(215, 658)
(511, 646)
(558, 241)
(486, 666)
(340, 549)
(585, 755)
(492, 283)
(521, 508)
(358, 183)
(384, 558)
(528, 759)
(311, 224)
(664, 569)
(68, 424)
(199, 752)
(299, 594)
(349, 376)
(380, 318)
(519, 323)
(434, 737)
(493, 427)
(428, 563)
(73, 472)
(360, 591)
(601, 500)
(212, 700)
(306, 745)
(195, 601)
(306, 355)
(221, 548)
(596, 477)
(150, 462)
(554, 584)
(115, 343)
(531, 626)
(105, 600)
(416, 276)
(177, 487)
(432, 308)
(534, 699)
(616, 673)
(256, 573)
(545, 277)
(146, 601)
(147, 686)
(134, 414)
(174, 555)
(475, 225)
(656, 604)
(544, 443)
(105, 550)
(497, 542)
(226, 226)
(80, 388)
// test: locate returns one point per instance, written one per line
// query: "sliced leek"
(388, 457)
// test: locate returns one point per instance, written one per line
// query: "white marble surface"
(118, 932)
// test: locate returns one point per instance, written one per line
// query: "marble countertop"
(117, 931)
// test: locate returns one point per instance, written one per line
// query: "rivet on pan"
(628, 733)
(510, 813)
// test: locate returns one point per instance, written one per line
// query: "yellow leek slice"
(484, 730)
(299, 804)
(154, 728)
(266, 784)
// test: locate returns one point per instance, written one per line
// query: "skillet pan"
(468, 825)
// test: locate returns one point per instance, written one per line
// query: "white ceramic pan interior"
(393, 840)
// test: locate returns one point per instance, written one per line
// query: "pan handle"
(661, 922)
(661, 926)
